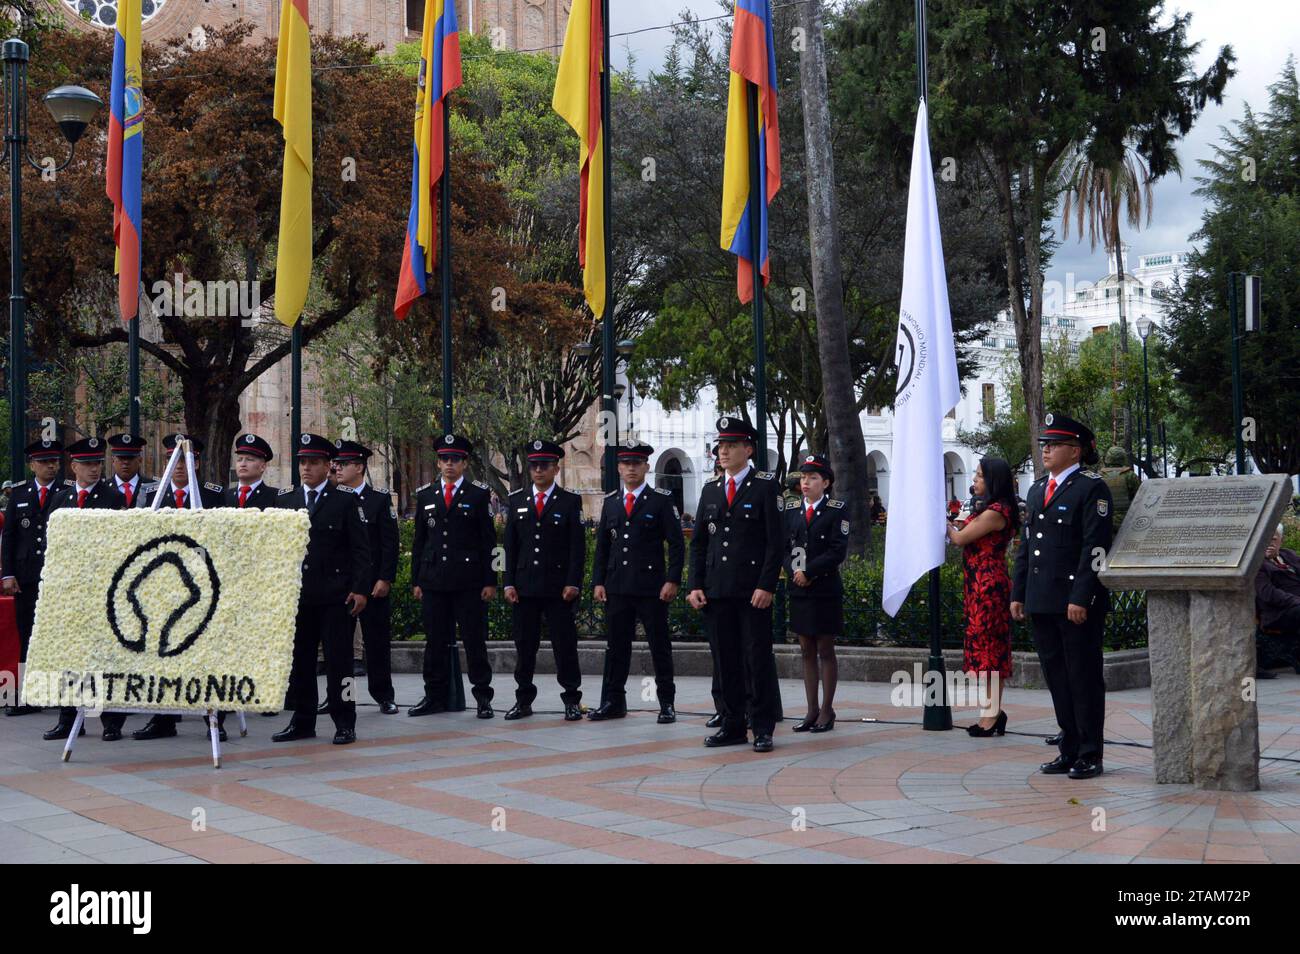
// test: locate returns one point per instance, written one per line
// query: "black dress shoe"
(154, 730)
(293, 733)
(1058, 766)
(345, 736)
(518, 711)
(805, 724)
(112, 735)
(323, 708)
(270, 715)
(715, 722)
(1086, 768)
(826, 726)
(573, 713)
(22, 710)
(762, 743)
(1054, 739)
(607, 710)
(485, 710)
(667, 714)
(723, 737)
(62, 731)
(425, 707)
(388, 708)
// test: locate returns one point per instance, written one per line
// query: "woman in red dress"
(984, 540)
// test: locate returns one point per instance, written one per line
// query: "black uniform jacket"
(738, 549)
(1057, 560)
(102, 495)
(381, 522)
(338, 547)
(545, 553)
(822, 545)
(261, 498)
(22, 545)
(630, 549)
(453, 548)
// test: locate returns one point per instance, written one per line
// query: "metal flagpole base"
(937, 714)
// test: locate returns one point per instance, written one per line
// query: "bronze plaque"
(1205, 522)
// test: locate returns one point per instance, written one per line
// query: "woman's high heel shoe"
(824, 727)
(808, 722)
(997, 728)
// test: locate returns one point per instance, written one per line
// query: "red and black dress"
(988, 600)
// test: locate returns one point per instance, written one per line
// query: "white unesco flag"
(927, 390)
(167, 609)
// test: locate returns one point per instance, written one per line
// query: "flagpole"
(608, 470)
(295, 385)
(444, 262)
(133, 370)
(936, 715)
(756, 200)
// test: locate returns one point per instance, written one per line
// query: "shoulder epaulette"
(612, 493)
(69, 482)
(423, 487)
(215, 487)
(345, 488)
(286, 490)
(149, 488)
(764, 475)
(515, 493)
(1088, 473)
(382, 490)
(663, 490)
(837, 504)
(479, 484)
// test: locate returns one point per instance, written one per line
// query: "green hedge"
(865, 623)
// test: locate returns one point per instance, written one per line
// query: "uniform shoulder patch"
(837, 504)
(423, 487)
(780, 502)
(286, 490)
(480, 485)
(216, 487)
(663, 490)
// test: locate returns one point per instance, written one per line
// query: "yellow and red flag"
(578, 101)
(439, 75)
(293, 112)
(126, 156)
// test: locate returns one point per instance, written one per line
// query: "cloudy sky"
(1261, 32)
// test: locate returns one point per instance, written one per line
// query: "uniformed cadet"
(87, 490)
(126, 452)
(336, 576)
(1067, 528)
(252, 454)
(629, 577)
(177, 496)
(816, 542)
(381, 520)
(22, 543)
(451, 564)
(546, 557)
(736, 556)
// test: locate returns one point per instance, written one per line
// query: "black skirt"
(817, 616)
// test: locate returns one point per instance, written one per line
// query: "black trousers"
(746, 664)
(376, 636)
(563, 630)
(443, 612)
(25, 611)
(329, 624)
(110, 720)
(621, 613)
(1072, 665)
(715, 687)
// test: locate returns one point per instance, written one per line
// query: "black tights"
(819, 662)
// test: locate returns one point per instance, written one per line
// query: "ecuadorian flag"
(439, 75)
(753, 60)
(126, 155)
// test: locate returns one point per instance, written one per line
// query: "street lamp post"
(1144, 330)
(73, 107)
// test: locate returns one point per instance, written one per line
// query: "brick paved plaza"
(430, 789)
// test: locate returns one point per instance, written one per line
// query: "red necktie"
(1051, 489)
(629, 503)
(180, 500)
(809, 515)
(541, 503)
(243, 494)
(128, 494)
(44, 492)
(81, 497)
(731, 490)
(447, 491)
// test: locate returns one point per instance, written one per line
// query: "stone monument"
(1195, 544)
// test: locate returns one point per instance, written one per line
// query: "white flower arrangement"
(167, 609)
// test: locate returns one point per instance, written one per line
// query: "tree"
(1251, 224)
(1019, 81)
